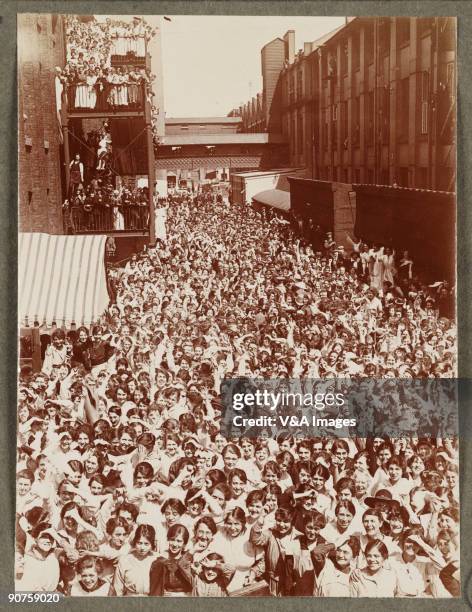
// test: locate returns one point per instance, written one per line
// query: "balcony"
(128, 60)
(128, 50)
(106, 98)
(129, 220)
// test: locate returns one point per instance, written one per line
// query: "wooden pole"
(65, 137)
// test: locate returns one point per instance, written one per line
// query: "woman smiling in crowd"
(125, 420)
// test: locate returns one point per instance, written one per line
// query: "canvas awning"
(61, 279)
(276, 198)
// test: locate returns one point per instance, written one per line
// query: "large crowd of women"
(125, 484)
(91, 81)
(97, 40)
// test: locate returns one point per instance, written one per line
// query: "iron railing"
(107, 97)
(109, 219)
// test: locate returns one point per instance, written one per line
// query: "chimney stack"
(307, 48)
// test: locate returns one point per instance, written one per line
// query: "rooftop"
(372, 187)
(276, 198)
(267, 172)
(319, 42)
(201, 120)
(214, 139)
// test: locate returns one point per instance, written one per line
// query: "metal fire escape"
(139, 111)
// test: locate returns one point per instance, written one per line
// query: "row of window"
(332, 114)
(381, 110)
(403, 34)
(296, 84)
(402, 178)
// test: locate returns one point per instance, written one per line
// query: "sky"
(212, 64)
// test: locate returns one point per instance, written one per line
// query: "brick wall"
(40, 49)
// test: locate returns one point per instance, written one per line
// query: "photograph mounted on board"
(196, 216)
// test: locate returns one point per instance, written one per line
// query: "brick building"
(52, 130)
(263, 112)
(197, 150)
(41, 47)
(372, 102)
(251, 115)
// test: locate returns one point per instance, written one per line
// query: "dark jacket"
(162, 568)
(100, 353)
(81, 353)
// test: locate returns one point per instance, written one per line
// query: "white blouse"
(332, 582)
(39, 574)
(132, 575)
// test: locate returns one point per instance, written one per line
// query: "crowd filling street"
(125, 484)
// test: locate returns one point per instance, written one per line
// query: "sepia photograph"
(259, 203)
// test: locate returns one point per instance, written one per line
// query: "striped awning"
(61, 279)
(276, 198)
